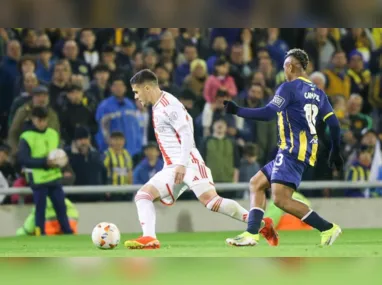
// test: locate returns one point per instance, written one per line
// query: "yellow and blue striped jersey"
(299, 104)
(119, 167)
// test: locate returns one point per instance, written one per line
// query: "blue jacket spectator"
(219, 47)
(231, 35)
(45, 64)
(190, 53)
(277, 48)
(118, 113)
(9, 71)
(149, 166)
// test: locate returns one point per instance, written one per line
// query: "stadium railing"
(308, 185)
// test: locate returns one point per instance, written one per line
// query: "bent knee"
(258, 183)
(147, 192)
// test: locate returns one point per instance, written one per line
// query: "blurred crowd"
(82, 77)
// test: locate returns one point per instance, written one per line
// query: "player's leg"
(57, 196)
(39, 198)
(282, 196)
(213, 202)
(144, 201)
(256, 224)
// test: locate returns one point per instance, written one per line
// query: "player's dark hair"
(144, 76)
(40, 112)
(117, 135)
(299, 55)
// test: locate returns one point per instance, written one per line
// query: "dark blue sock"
(39, 199)
(57, 196)
(255, 217)
(315, 221)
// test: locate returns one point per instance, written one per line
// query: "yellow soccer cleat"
(328, 237)
(143, 243)
(244, 239)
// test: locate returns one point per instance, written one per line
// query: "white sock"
(228, 207)
(146, 213)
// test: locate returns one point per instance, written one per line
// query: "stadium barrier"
(307, 185)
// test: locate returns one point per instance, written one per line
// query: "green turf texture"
(352, 243)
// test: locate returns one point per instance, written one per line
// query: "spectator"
(67, 34)
(358, 38)
(150, 58)
(167, 47)
(117, 161)
(40, 98)
(43, 41)
(259, 78)
(359, 171)
(219, 47)
(99, 88)
(45, 65)
(151, 39)
(266, 67)
(224, 168)
(126, 54)
(249, 164)
(249, 48)
(375, 99)
(85, 160)
(196, 80)
(239, 69)
(220, 80)
(78, 66)
(320, 47)
(117, 113)
(60, 82)
(188, 99)
(337, 80)
(54, 35)
(88, 52)
(264, 134)
(30, 82)
(277, 47)
(192, 36)
(149, 166)
(360, 78)
(75, 111)
(8, 73)
(341, 111)
(358, 121)
(29, 39)
(319, 79)
(26, 64)
(109, 58)
(230, 35)
(164, 80)
(190, 54)
(6, 168)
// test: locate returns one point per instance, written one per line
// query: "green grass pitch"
(352, 243)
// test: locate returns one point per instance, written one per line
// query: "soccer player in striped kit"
(184, 167)
(298, 104)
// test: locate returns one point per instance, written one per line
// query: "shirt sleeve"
(282, 98)
(326, 108)
(177, 117)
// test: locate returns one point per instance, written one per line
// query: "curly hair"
(300, 55)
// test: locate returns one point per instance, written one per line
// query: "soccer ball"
(106, 236)
(59, 157)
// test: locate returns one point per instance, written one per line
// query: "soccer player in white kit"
(184, 167)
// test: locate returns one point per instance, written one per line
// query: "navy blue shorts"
(284, 169)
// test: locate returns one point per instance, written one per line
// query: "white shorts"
(198, 178)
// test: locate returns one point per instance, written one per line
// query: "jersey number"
(311, 112)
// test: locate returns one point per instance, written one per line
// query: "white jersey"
(169, 116)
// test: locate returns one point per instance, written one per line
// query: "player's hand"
(336, 160)
(231, 107)
(51, 163)
(180, 172)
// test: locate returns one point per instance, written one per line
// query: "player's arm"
(25, 157)
(332, 122)
(267, 113)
